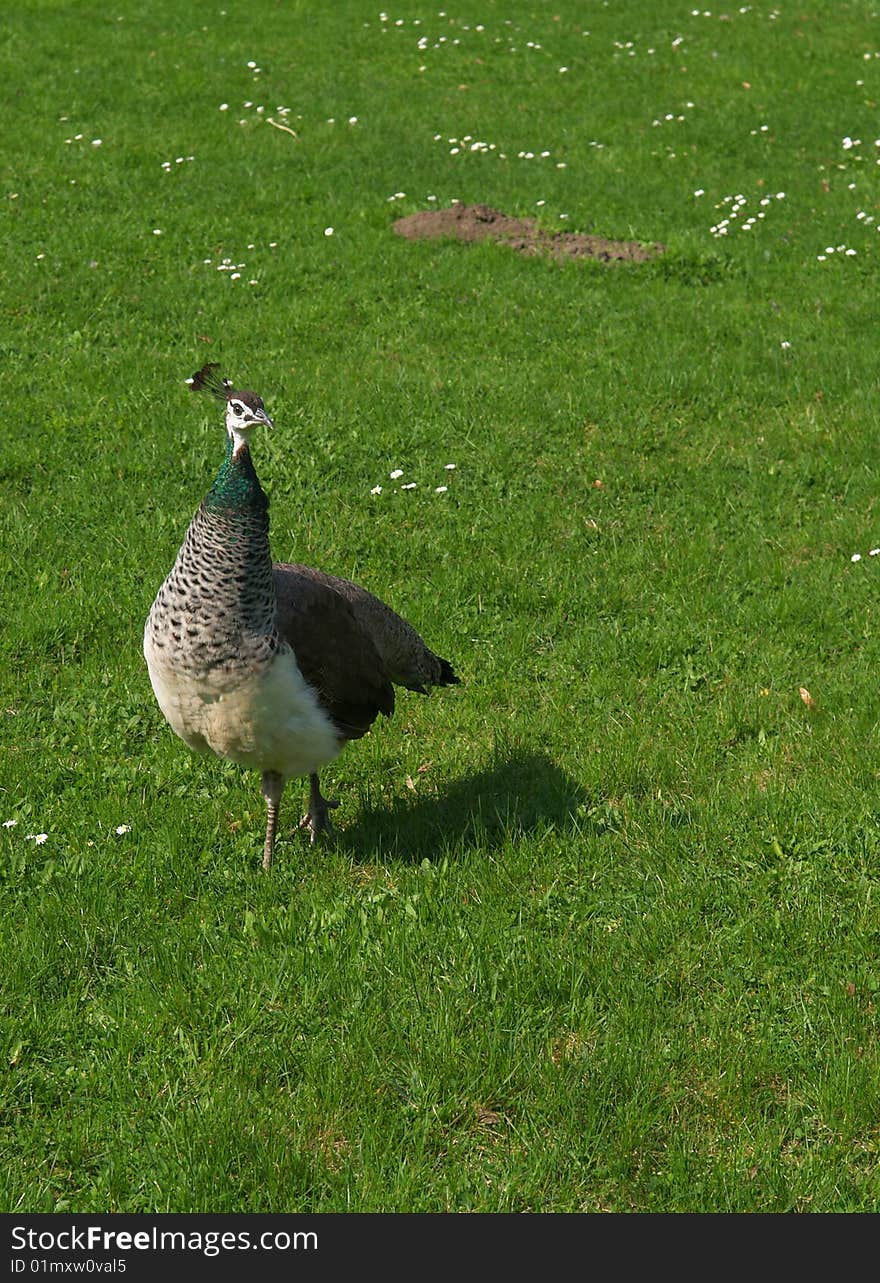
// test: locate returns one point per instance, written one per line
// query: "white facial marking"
(241, 419)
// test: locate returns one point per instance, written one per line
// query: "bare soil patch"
(470, 223)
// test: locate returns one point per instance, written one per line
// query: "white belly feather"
(269, 720)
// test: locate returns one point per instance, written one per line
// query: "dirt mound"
(471, 223)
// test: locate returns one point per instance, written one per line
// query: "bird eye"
(238, 409)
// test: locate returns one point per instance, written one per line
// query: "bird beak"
(262, 417)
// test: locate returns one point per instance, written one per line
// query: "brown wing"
(408, 660)
(336, 655)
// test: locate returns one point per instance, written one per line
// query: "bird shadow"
(511, 799)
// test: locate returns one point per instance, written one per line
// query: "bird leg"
(272, 788)
(317, 817)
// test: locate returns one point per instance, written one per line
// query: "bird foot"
(317, 818)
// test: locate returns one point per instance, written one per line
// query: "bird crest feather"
(209, 379)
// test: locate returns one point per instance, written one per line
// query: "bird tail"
(447, 675)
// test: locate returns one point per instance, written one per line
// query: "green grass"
(618, 947)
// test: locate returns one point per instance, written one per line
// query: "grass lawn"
(601, 931)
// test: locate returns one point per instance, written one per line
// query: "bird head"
(244, 410)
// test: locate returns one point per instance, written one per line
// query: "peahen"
(274, 666)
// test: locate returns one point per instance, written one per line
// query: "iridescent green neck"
(236, 485)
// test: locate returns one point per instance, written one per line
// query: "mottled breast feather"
(217, 605)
